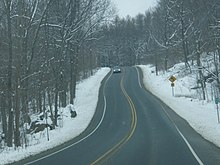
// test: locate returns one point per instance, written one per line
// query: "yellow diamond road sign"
(172, 79)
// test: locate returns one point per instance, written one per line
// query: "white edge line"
(104, 111)
(139, 82)
(185, 140)
(183, 137)
(190, 147)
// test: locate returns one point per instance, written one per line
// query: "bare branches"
(44, 45)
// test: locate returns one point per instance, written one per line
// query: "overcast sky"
(133, 7)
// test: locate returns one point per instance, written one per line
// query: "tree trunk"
(18, 72)
(39, 102)
(184, 48)
(9, 85)
(166, 60)
(17, 115)
(51, 109)
(156, 65)
(201, 76)
(71, 80)
(183, 36)
(62, 95)
(56, 104)
(216, 64)
(73, 73)
(3, 113)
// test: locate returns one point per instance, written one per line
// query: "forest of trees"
(174, 31)
(46, 46)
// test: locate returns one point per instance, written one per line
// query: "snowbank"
(201, 115)
(85, 105)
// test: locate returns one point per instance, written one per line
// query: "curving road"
(131, 126)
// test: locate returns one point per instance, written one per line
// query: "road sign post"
(172, 80)
(217, 109)
(172, 86)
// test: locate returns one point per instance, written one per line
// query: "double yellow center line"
(127, 137)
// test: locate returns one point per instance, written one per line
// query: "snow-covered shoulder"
(200, 114)
(84, 104)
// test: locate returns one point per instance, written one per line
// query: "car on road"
(116, 69)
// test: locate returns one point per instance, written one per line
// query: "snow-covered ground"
(85, 105)
(200, 114)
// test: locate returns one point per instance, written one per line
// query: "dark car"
(116, 70)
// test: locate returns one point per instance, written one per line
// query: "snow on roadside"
(202, 116)
(85, 105)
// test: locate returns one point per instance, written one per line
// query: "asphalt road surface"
(132, 127)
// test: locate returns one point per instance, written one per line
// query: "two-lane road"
(131, 126)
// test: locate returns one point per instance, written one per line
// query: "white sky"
(133, 7)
